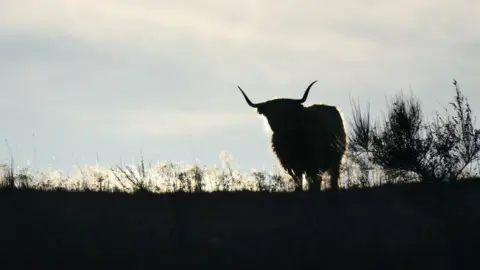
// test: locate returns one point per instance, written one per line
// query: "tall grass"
(169, 177)
(402, 148)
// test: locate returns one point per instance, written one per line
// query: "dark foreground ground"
(405, 227)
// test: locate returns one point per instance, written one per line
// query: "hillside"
(409, 226)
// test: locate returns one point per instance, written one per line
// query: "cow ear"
(260, 110)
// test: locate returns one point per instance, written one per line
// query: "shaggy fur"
(306, 140)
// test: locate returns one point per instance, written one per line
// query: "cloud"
(187, 49)
(147, 123)
(316, 35)
(137, 69)
(313, 27)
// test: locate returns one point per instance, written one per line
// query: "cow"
(308, 140)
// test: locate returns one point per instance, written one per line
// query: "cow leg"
(297, 178)
(334, 177)
(314, 179)
(299, 182)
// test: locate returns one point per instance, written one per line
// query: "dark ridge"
(402, 226)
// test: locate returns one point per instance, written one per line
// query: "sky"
(106, 81)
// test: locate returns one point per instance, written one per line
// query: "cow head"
(282, 113)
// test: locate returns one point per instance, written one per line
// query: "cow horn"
(304, 98)
(253, 105)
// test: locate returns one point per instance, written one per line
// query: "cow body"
(306, 140)
(316, 144)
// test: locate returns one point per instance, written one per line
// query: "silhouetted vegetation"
(426, 216)
(406, 146)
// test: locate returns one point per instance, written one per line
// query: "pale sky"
(114, 77)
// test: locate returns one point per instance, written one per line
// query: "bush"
(404, 143)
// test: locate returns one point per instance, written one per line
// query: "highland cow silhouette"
(307, 140)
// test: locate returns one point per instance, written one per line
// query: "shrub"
(404, 143)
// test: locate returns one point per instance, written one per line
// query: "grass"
(164, 177)
(406, 225)
(415, 211)
(124, 218)
(168, 177)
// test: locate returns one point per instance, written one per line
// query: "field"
(409, 199)
(403, 226)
